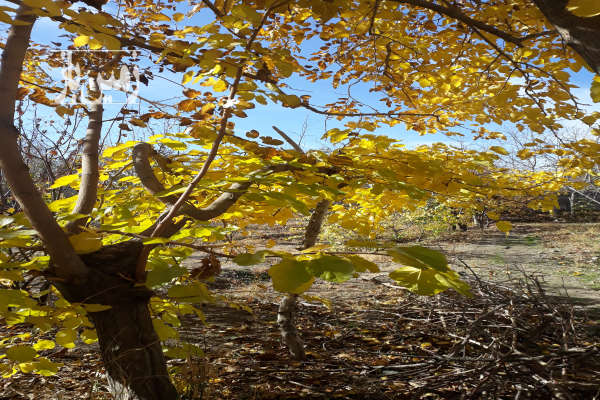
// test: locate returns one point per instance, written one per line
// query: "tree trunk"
(131, 350)
(287, 307)
(314, 225)
(132, 354)
(581, 34)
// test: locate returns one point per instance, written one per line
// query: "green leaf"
(162, 272)
(420, 257)
(163, 330)
(428, 282)
(86, 242)
(291, 276)
(331, 268)
(369, 244)
(65, 180)
(251, 258)
(66, 338)
(362, 265)
(192, 293)
(184, 351)
(21, 353)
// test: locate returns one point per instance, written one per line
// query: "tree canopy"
(117, 226)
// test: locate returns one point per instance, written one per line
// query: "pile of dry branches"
(508, 341)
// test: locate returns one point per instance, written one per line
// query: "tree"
(434, 66)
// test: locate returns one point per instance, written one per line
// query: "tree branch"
(457, 14)
(288, 139)
(67, 264)
(88, 189)
(141, 155)
(581, 34)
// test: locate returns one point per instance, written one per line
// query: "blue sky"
(291, 120)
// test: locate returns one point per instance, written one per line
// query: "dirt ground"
(565, 257)
(378, 341)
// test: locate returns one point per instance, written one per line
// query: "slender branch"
(206, 249)
(67, 264)
(288, 139)
(165, 222)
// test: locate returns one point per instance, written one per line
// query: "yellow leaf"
(94, 44)
(66, 338)
(160, 17)
(493, 215)
(504, 226)
(220, 86)
(178, 17)
(188, 105)
(44, 345)
(584, 8)
(85, 242)
(595, 90)
(187, 77)
(499, 150)
(65, 180)
(81, 41)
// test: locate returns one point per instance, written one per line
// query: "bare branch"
(288, 139)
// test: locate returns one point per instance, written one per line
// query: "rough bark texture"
(287, 327)
(581, 34)
(287, 307)
(314, 225)
(132, 354)
(131, 350)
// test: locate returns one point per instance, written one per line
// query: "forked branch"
(142, 152)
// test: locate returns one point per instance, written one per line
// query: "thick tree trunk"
(581, 34)
(132, 354)
(131, 350)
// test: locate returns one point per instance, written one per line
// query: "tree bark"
(287, 326)
(287, 307)
(132, 353)
(131, 350)
(581, 34)
(68, 265)
(315, 224)
(88, 187)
